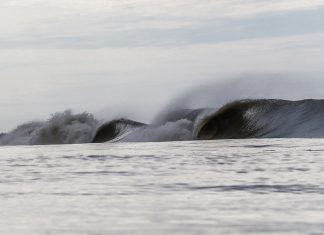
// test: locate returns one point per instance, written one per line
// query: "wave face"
(262, 118)
(265, 119)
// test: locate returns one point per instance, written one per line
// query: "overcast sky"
(116, 56)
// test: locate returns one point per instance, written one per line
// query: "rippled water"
(270, 186)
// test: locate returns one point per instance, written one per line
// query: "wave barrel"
(115, 129)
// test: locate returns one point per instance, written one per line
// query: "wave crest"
(263, 118)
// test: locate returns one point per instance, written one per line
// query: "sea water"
(256, 186)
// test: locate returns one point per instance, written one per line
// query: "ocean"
(251, 186)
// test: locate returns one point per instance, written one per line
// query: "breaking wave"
(249, 118)
(61, 128)
(262, 118)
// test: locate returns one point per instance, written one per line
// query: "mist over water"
(172, 122)
(250, 86)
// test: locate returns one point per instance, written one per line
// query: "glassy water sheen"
(269, 186)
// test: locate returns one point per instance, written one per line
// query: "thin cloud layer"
(121, 23)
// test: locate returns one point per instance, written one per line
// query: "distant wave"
(262, 118)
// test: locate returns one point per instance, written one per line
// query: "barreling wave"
(262, 118)
(116, 129)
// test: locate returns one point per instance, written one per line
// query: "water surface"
(264, 186)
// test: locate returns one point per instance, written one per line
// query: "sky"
(132, 57)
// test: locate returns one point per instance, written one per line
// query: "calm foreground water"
(270, 186)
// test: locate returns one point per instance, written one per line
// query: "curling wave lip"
(261, 118)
